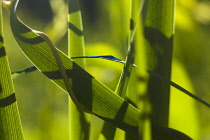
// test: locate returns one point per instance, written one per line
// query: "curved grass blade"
(93, 97)
(10, 124)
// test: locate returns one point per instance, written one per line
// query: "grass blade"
(79, 121)
(159, 31)
(18, 73)
(10, 125)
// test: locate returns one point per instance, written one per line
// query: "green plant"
(135, 106)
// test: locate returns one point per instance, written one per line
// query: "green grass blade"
(18, 73)
(76, 38)
(137, 86)
(109, 130)
(122, 86)
(159, 31)
(93, 97)
(10, 125)
(79, 121)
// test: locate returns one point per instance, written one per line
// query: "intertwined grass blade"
(10, 125)
(93, 97)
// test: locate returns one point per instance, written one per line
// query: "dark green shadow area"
(18, 28)
(55, 75)
(160, 62)
(1, 89)
(8, 100)
(32, 41)
(73, 6)
(109, 130)
(81, 83)
(164, 133)
(118, 120)
(132, 24)
(155, 37)
(82, 86)
(2, 52)
(17, 25)
(76, 30)
(1, 39)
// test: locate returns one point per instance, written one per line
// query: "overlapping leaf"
(88, 93)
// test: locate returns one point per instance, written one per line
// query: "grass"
(140, 107)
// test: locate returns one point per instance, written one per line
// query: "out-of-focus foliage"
(183, 112)
(192, 50)
(105, 24)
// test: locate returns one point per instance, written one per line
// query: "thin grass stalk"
(110, 131)
(79, 120)
(159, 31)
(137, 87)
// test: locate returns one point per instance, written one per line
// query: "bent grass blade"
(94, 97)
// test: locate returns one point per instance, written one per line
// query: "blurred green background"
(44, 106)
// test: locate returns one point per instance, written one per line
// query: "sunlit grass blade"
(10, 124)
(159, 31)
(122, 86)
(93, 97)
